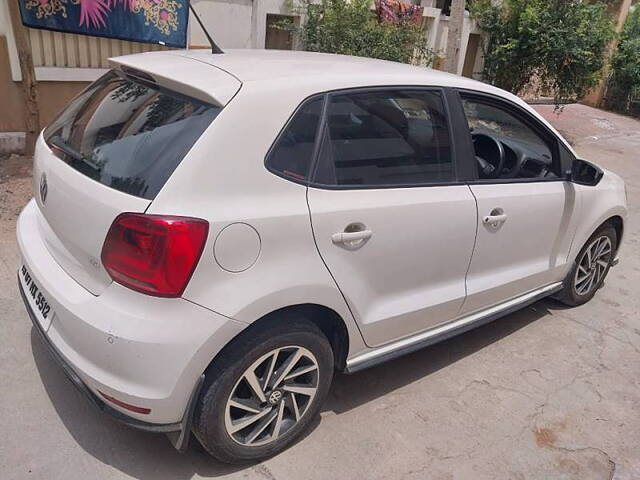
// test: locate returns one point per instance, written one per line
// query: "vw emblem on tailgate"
(43, 187)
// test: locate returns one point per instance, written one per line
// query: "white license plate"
(38, 302)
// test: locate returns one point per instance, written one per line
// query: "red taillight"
(154, 254)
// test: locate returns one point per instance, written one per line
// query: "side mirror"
(584, 173)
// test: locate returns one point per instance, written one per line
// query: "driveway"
(545, 393)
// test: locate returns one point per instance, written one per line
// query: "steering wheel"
(493, 168)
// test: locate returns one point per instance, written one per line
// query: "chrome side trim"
(410, 344)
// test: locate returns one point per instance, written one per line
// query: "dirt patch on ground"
(15, 189)
(545, 437)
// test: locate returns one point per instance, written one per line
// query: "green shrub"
(558, 43)
(350, 27)
(624, 83)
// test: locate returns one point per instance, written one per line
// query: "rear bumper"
(144, 351)
(82, 387)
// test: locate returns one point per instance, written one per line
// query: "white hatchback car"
(213, 235)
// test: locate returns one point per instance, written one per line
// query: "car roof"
(301, 74)
(257, 65)
(301, 69)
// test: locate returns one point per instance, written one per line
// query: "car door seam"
(570, 251)
(335, 282)
(473, 250)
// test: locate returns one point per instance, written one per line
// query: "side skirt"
(401, 347)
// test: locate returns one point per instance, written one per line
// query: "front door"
(394, 227)
(525, 208)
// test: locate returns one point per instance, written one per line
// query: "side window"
(505, 147)
(292, 152)
(386, 138)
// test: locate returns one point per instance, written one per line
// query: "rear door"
(110, 151)
(391, 221)
(525, 207)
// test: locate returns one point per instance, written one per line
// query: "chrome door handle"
(345, 237)
(493, 219)
(351, 239)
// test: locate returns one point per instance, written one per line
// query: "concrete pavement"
(544, 393)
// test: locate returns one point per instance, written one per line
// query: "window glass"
(505, 147)
(386, 138)
(127, 135)
(291, 155)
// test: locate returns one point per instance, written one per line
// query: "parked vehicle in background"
(212, 236)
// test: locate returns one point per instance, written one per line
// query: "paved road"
(545, 393)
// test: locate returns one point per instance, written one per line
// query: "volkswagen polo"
(212, 236)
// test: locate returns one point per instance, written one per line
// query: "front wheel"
(590, 268)
(261, 395)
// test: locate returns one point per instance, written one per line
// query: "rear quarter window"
(128, 135)
(292, 153)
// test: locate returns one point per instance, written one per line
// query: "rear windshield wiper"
(65, 148)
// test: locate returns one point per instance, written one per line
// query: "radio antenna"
(214, 48)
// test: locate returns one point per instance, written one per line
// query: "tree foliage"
(624, 83)
(558, 43)
(350, 27)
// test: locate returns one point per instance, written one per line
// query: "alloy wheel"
(271, 396)
(593, 265)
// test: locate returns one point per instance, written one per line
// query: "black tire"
(226, 373)
(569, 295)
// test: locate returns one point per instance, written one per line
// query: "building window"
(445, 6)
(278, 38)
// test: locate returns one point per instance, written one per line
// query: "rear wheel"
(590, 268)
(261, 395)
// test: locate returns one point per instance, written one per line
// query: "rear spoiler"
(181, 74)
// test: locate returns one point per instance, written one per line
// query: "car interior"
(506, 148)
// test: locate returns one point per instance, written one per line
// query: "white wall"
(234, 23)
(228, 22)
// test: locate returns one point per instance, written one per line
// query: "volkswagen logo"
(275, 397)
(43, 187)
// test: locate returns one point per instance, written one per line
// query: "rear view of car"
(102, 279)
(124, 136)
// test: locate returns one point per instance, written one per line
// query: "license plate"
(36, 299)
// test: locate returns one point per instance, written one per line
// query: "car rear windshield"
(128, 135)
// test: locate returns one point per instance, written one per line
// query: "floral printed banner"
(162, 22)
(397, 11)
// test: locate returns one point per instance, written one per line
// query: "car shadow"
(150, 456)
(139, 454)
(351, 391)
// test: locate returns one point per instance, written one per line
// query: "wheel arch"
(326, 319)
(616, 221)
(614, 217)
(618, 224)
